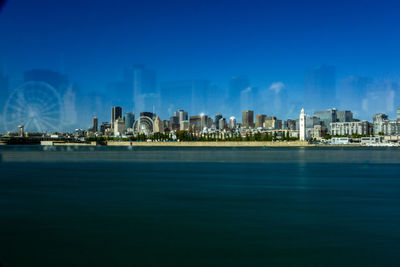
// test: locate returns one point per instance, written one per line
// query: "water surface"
(199, 206)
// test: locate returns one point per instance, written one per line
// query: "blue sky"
(268, 41)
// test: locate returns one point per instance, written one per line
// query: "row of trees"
(189, 136)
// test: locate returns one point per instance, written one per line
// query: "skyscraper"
(260, 120)
(129, 119)
(302, 121)
(398, 114)
(248, 118)
(158, 125)
(95, 126)
(232, 123)
(222, 124)
(327, 117)
(344, 116)
(182, 115)
(174, 123)
(320, 87)
(217, 118)
(116, 113)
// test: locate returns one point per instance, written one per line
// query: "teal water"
(199, 207)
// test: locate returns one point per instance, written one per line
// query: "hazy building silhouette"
(320, 87)
(143, 82)
(4, 90)
(237, 84)
(352, 91)
(188, 95)
(55, 79)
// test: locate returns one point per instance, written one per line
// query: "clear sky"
(268, 41)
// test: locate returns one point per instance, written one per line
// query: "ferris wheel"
(36, 105)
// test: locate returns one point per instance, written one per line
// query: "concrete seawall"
(211, 144)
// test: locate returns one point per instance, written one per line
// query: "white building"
(119, 127)
(232, 123)
(349, 128)
(302, 121)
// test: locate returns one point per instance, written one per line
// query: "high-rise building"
(217, 118)
(222, 124)
(105, 126)
(116, 113)
(182, 115)
(21, 130)
(232, 123)
(248, 118)
(327, 117)
(320, 87)
(260, 119)
(95, 126)
(271, 123)
(158, 125)
(398, 114)
(119, 127)
(204, 121)
(195, 122)
(344, 116)
(174, 123)
(184, 125)
(302, 121)
(129, 119)
(350, 128)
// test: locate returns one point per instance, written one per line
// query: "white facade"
(302, 122)
(232, 123)
(349, 128)
(119, 127)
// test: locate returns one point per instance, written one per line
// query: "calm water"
(199, 206)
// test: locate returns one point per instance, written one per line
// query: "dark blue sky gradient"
(268, 41)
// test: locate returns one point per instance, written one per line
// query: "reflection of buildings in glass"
(236, 85)
(145, 93)
(247, 98)
(66, 91)
(188, 95)
(3, 94)
(381, 97)
(320, 87)
(352, 91)
(3, 88)
(57, 80)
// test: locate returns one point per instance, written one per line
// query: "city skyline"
(205, 57)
